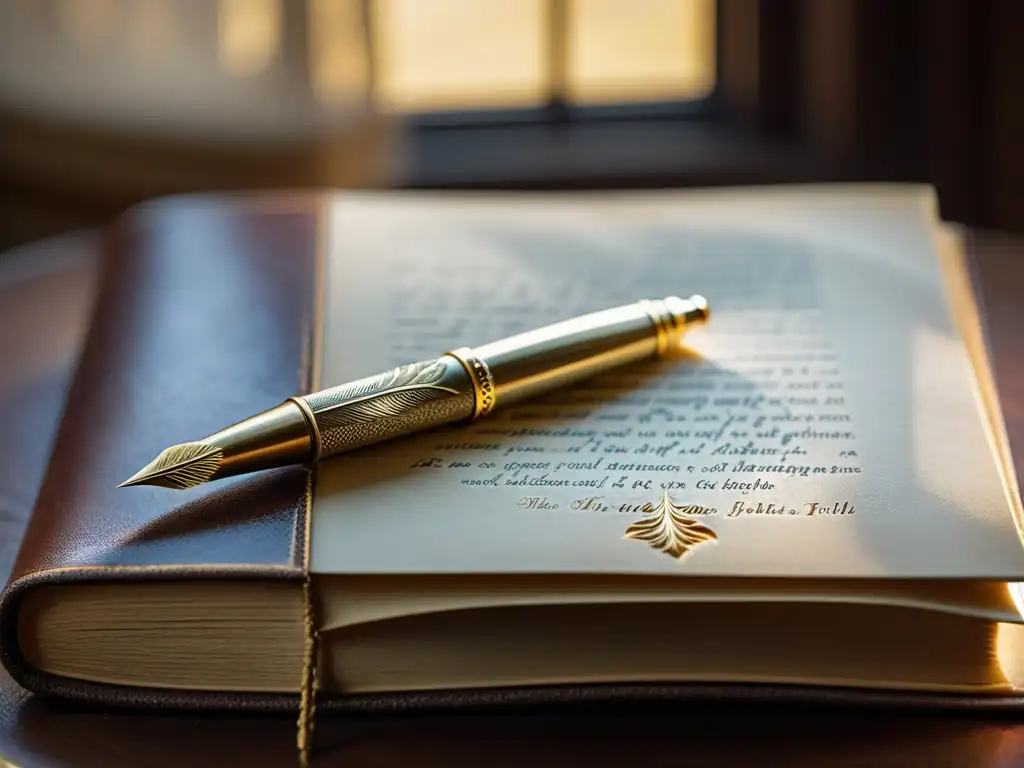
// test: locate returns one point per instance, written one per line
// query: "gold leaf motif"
(180, 466)
(667, 528)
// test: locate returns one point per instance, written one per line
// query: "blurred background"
(104, 103)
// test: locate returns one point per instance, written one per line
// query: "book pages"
(827, 422)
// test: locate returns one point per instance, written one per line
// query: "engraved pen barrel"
(558, 355)
(460, 385)
(468, 383)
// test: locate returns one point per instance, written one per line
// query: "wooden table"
(45, 295)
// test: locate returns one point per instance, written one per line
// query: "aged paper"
(825, 424)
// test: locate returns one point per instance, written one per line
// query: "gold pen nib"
(274, 438)
(179, 467)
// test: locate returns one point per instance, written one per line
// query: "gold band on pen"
(480, 376)
(663, 323)
(672, 316)
(311, 425)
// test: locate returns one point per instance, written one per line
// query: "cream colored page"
(966, 311)
(827, 424)
(348, 600)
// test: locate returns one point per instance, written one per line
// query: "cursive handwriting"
(767, 408)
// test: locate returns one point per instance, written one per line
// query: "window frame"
(732, 136)
(557, 110)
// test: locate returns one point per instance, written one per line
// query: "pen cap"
(559, 354)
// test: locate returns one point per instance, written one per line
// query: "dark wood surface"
(45, 295)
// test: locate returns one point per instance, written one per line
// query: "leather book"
(820, 506)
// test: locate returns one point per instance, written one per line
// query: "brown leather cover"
(205, 316)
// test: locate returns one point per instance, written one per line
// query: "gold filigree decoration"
(483, 381)
(180, 466)
(668, 528)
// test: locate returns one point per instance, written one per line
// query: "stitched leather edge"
(314, 345)
(307, 701)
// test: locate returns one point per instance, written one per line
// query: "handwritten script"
(766, 403)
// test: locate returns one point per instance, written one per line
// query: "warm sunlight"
(450, 54)
(642, 49)
(249, 35)
(1009, 648)
(466, 54)
(415, 55)
(339, 64)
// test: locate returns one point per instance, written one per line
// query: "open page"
(825, 424)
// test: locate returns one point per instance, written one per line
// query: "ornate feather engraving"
(668, 529)
(424, 373)
(180, 466)
(399, 401)
(383, 406)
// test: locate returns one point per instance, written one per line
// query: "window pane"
(339, 62)
(639, 50)
(456, 54)
(249, 35)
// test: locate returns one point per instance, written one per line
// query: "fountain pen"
(459, 386)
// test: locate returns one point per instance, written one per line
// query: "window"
(483, 84)
(95, 94)
(234, 63)
(470, 55)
